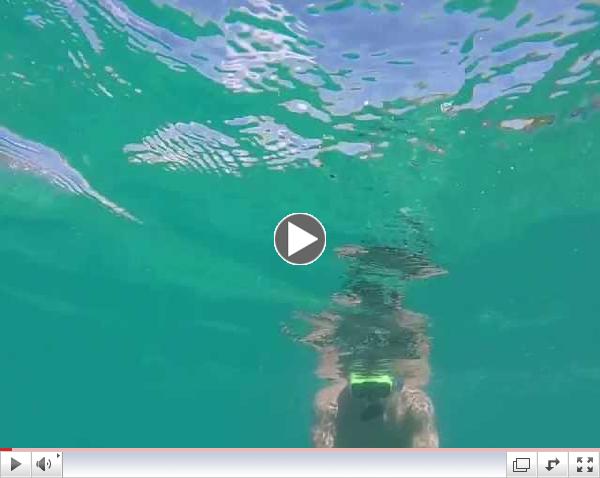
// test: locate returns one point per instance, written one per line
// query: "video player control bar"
(170, 463)
(30, 464)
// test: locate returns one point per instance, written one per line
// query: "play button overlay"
(300, 239)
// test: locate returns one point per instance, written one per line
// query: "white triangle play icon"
(298, 239)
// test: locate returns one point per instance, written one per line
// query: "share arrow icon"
(552, 464)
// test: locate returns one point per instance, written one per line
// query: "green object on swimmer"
(372, 387)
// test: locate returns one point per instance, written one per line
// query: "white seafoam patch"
(261, 141)
(21, 154)
(190, 146)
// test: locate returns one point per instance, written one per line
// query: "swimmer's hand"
(411, 410)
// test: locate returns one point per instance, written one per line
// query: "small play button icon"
(300, 239)
(14, 464)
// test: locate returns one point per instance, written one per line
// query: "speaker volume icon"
(43, 463)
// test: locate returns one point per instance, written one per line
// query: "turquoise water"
(149, 147)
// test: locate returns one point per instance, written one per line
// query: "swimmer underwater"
(374, 354)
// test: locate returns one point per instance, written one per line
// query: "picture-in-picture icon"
(521, 465)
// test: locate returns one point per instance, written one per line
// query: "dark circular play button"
(300, 239)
